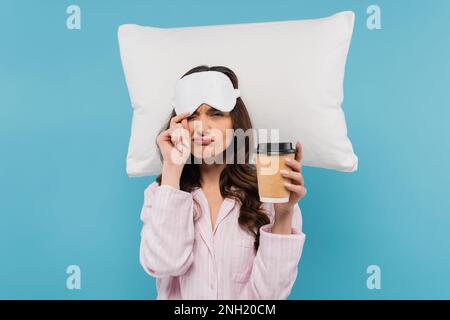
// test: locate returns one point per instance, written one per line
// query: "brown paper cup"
(270, 159)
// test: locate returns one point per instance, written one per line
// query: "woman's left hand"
(296, 184)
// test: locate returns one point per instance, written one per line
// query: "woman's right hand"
(175, 142)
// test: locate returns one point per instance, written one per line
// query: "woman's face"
(210, 130)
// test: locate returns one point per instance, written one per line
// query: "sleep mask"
(211, 87)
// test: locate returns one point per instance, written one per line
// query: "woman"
(206, 235)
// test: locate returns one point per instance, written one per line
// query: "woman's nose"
(202, 123)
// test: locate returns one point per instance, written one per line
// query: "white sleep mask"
(211, 87)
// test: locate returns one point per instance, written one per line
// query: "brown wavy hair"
(240, 175)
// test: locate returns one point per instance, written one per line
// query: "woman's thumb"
(184, 123)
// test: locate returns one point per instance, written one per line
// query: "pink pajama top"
(190, 260)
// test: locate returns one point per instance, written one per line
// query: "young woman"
(205, 233)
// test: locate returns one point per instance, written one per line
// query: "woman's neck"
(210, 174)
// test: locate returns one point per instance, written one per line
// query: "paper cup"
(270, 159)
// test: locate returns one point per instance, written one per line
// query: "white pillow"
(290, 76)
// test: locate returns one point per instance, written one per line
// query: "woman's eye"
(218, 114)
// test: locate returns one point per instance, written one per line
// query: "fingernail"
(284, 172)
(287, 184)
(288, 160)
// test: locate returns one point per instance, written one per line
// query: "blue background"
(65, 120)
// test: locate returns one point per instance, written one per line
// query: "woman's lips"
(203, 141)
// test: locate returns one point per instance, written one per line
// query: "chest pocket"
(243, 257)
